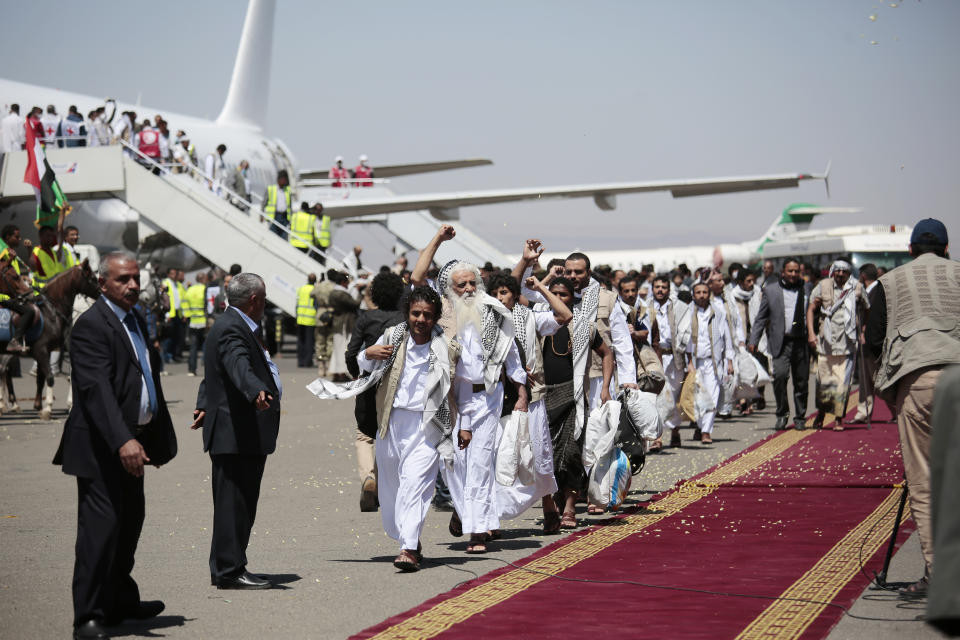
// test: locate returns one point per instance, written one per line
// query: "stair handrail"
(311, 249)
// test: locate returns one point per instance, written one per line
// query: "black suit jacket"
(107, 382)
(770, 316)
(235, 371)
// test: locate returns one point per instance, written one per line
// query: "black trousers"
(110, 514)
(305, 341)
(236, 490)
(793, 359)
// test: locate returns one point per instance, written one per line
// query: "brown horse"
(57, 309)
(12, 283)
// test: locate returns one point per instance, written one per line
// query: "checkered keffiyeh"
(581, 330)
(436, 406)
(521, 315)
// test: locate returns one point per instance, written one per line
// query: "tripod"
(881, 578)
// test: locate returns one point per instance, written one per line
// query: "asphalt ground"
(333, 564)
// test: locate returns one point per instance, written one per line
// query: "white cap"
(338, 159)
(363, 157)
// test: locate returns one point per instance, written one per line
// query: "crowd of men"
(557, 341)
(436, 356)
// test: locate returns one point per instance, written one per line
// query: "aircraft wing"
(393, 170)
(445, 205)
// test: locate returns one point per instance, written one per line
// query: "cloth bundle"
(643, 411)
(752, 375)
(515, 459)
(608, 468)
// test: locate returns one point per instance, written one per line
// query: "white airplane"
(109, 223)
(795, 219)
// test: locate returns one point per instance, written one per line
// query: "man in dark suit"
(781, 315)
(238, 406)
(119, 423)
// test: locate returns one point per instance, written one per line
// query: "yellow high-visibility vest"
(194, 306)
(306, 306)
(270, 206)
(176, 293)
(49, 265)
(324, 238)
(68, 259)
(301, 229)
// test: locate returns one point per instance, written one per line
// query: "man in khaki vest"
(915, 332)
(323, 342)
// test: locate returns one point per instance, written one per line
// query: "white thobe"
(471, 480)
(671, 370)
(406, 463)
(514, 500)
(710, 350)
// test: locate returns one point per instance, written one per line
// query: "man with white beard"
(673, 324)
(484, 329)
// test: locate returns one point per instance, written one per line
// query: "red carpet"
(792, 517)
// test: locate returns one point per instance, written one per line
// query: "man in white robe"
(673, 328)
(413, 363)
(710, 355)
(530, 325)
(484, 330)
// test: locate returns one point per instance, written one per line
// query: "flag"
(51, 203)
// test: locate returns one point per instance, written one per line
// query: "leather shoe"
(245, 580)
(140, 611)
(799, 424)
(89, 629)
(781, 423)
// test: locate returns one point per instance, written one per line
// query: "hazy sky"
(563, 92)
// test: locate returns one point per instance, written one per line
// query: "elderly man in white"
(485, 332)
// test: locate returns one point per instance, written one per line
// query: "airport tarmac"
(332, 563)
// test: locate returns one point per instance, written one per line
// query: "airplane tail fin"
(797, 217)
(246, 103)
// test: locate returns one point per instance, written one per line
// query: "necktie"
(141, 348)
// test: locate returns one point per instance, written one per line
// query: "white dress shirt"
(789, 306)
(410, 388)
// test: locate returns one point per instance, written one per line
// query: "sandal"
(838, 427)
(477, 544)
(595, 510)
(655, 446)
(407, 561)
(496, 534)
(916, 590)
(568, 520)
(551, 521)
(455, 526)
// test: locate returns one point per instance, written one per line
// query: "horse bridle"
(14, 291)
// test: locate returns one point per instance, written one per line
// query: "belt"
(479, 388)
